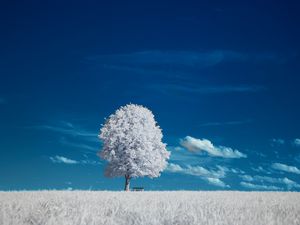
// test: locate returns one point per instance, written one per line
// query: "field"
(142, 208)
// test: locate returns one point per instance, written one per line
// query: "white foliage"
(132, 143)
(149, 208)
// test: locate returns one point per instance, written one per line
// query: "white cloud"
(285, 168)
(260, 169)
(73, 136)
(175, 148)
(201, 171)
(277, 142)
(226, 123)
(216, 182)
(73, 144)
(197, 145)
(238, 171)
(259, 187)
(247, 178)
(68, 128)
(174, 168)
(232, 170)
(269, 179)
(62, 159)
(296, 142)
(196, 171)
(290, 183)
(211, 176)
(191, 89)
(262, 179)
(90, 162)
(166, 62)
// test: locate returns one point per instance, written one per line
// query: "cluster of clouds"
(73, 137)
(266, 179)
(285, 168)
(198, 145)
(161, 62)
(257, 182)
(259, 186)
(216, 176)
(192, 146)
(65, 160)
(157, 63)
(226, 123)
(69, 129)
(189, 88)
(297, 142)
(211, 176)
(279, 141)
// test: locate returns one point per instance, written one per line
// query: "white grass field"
(142, 208)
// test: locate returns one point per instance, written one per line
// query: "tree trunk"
(127, 183)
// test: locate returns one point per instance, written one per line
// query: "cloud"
(211, 176)
(285, 168)
(89, 162)
(197, 145)
(73, 144)
(196, 171)
(262, 179)
(77, 137)
(170, 62)
(180, 154)
(247, 178)
(179, 64)
(231, 170)
(290, 183)
(191, 89)
(65, 160)
(296, 142)
(216, 182)
(260, 169)
(160, 60)
(259, 187)
(226, 123)
(62, 159)
(201, 171)
(174, 168)
(277, 142)
(68, 128)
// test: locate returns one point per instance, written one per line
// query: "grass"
(142, 208)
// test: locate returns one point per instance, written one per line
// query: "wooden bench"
(137, 189)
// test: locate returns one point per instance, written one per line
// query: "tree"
(132, 144)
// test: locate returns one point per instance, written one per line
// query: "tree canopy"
(132, 143)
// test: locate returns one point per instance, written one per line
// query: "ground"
(143, 208)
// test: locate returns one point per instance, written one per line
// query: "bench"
(137, 189)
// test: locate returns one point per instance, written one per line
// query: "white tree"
(132, 144)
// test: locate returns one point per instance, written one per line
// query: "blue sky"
(221, 77)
